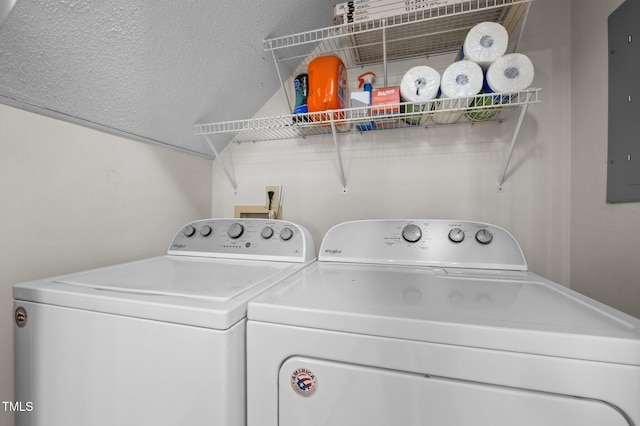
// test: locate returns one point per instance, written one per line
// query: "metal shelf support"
(222, 164)
(343, 178)
(512, 146)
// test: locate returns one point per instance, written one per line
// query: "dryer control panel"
(422, 242)
(256, 239)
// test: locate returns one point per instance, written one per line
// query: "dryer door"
(319, 392)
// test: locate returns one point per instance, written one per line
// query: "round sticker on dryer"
(304, 382)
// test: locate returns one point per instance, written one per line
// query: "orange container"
(327, 86)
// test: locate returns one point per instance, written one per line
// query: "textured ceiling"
(147, 69)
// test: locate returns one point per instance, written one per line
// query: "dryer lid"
(501, 310)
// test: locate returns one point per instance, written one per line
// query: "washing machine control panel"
(439, 243)
(244, 238)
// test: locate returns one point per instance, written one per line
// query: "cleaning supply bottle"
(366, 80)
(327, 86)
(301, 86)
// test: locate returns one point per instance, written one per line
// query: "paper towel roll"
(461, 79)
(484, 43)
(419, 84)
(509, 74)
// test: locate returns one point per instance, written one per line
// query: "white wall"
(74, 198)
(604, 237)
(449, 172)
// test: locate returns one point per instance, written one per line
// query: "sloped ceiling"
(149, 69)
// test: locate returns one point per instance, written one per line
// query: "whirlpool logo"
(332, 251)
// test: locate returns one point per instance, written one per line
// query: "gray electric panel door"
(623, 173)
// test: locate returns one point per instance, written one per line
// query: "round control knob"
(483, 236)
(205, 231)
(188, 231)
(286, 234)
(412, 233)
(267, 232)
(235, 230)
(456, 235)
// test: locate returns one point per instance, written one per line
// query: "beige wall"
(449, 172)
(74, 198)
(605, 238)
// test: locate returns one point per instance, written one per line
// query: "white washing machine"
(425, 322)
(154, 342)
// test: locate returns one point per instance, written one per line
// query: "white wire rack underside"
(412, 34)
(391, 116)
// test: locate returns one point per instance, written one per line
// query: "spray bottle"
(366, 80)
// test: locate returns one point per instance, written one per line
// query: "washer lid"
(206, 279)
(502, 310)
(188, 290)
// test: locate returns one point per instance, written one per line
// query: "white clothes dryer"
(428, 322)
(154, 342)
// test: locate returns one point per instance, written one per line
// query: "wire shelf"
(409, 35)
(413, 34)
(393, 116)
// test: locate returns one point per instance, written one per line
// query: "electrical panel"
(623, 162)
